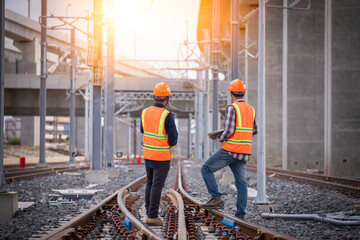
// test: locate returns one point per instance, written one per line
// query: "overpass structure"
(22, 61)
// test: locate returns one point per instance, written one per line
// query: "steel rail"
(348, 181)
(39, 170)
(333, 182)
(142, 229)
(38, 173)
(250, 229)
(181, 214)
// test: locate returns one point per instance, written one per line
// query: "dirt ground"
(18, 151)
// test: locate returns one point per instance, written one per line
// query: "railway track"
(122, 216)
(343, 185)
(17, 173)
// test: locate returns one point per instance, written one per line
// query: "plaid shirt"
(229, 124)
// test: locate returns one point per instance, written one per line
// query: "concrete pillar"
(30, 131)
(9, 205)
(80, 133)
(30, 55)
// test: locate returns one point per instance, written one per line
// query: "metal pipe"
(72, 97)
(189, 135)
(206, 115)
(29, 8)
(201, 117)
(109, 91)
(43, 77)
(86, 123)
(128, 123)
(196, 109)
(328, 88)
(2, 62)
(246, 60)
(96, 127)
(207, 95)
(307, 217)
(284, 87)
(215, 66)
(234, 42)
(134, 138)
(261, 154)
(97, 79)
(91, 126)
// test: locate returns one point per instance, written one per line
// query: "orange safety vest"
(155, 139)
(240, 141)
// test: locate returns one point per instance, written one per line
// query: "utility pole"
(28, 8)
(72, 96)
(284, 88)
(261, 162)
(128, 124)
(134, 138)
(43, 77)
(2, 62)
(189, 135)
(234, 42)
(215, 65)
(97, 84)
(109, 91)
(328, 88)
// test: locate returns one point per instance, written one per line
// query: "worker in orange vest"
(159, 135)
(240, 126)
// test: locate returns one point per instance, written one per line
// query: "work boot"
(242, 217)
(213, 203)
(154, 221)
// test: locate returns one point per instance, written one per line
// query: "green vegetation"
(14, 141)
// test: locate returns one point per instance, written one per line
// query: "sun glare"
(128, 13)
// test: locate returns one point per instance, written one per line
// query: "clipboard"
(215, 133)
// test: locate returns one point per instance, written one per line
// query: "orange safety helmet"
(237, 86)
(161, 90)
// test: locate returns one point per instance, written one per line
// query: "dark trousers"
(155, 182)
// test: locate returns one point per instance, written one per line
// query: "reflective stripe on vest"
(241, 140)
(155, 143)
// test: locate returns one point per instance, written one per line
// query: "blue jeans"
(217, 161)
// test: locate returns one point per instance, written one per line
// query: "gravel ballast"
(41, 216)
(287, 197)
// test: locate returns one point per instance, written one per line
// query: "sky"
(158, 30)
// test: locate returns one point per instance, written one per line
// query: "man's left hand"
(213, 137)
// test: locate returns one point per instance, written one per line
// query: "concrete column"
(80, 132)
(30, 55)
(27, 131)
(328, 88)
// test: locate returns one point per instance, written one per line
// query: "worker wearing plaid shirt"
(235, 160)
